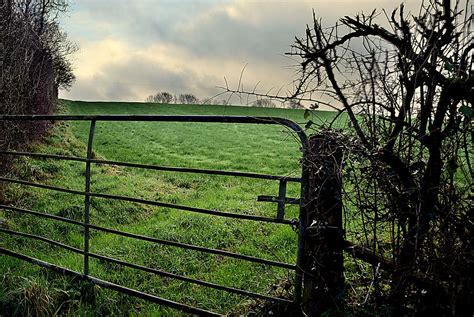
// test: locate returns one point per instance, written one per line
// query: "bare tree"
(408, 96)
(405, 94)
(188, 99)
(162, 97)
(294, 104)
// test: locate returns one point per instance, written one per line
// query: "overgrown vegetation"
(407, 88)
(405, 82)
(406, 92)
(33, 65)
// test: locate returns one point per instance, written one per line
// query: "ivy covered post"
(323, 283)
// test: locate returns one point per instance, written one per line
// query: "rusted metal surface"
(281, 201)
(274, 199)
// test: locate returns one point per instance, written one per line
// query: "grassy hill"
(250, 148)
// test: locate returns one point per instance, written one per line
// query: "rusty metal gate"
(87, 226)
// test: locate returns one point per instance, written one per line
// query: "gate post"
(323, 280)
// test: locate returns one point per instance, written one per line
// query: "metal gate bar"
(156, 167)
(88, 194)
(150, 202)
(147, 269)
(159, 241)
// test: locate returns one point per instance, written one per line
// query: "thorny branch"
(406, 94)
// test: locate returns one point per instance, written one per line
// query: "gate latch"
(282, 200)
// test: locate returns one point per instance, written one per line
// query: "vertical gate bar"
(302, 222)
(87, 199)
(282, 199)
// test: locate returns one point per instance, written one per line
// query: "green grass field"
(250, 148)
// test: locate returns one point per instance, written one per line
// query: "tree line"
(169, 98)
(165, 97)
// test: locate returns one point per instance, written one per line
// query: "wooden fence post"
(323, 279)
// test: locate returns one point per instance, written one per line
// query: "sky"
(131, 49)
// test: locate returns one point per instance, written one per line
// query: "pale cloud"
(130, 49)
(113, 70)
(93, 57)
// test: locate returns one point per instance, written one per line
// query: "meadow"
(231, 147)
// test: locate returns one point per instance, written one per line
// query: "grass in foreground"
(263, 149)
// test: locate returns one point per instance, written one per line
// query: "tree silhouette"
(407, 91)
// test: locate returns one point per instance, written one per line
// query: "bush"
(34, 65)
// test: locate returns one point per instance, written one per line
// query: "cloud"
(130, 49)
(113, 70)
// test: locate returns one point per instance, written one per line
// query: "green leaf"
(467, 111)
(307, 114)
(308, 124)
(448, 66)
